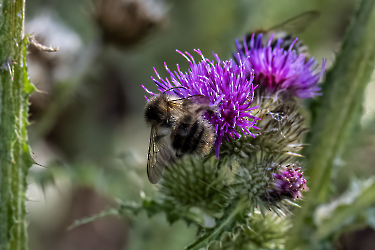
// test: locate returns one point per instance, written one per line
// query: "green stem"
(14, 153)
(227, 224)
(340, 104)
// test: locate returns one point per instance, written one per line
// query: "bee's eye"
(153, 114)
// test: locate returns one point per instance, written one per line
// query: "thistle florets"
(280, 72)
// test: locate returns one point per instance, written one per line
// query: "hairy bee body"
(178, 128)
(159, 112)
(192, 135)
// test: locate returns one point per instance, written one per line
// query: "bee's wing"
(197, 99)
(297, 24)
(200, 99)
(158, 155)
(191, 104)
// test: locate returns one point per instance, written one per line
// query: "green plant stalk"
(342, 97)
(360, 204)
(218, 230)
(14, 152)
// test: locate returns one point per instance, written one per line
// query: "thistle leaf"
(338, 108)
(342, 211)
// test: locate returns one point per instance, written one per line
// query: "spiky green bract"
(280, 130)
(192, 189)
(260, 232)
(195, 183)
(250, 191)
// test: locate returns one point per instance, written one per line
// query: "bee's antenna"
(175, 87)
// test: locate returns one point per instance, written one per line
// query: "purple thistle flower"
(226, 85)
(277, 70)
(289, 182)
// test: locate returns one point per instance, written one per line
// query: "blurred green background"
(88, 135)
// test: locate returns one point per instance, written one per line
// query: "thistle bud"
(126, 22)
(193, 182)
(267, 181)
(280, 130)
(270, 232)
(253, 180)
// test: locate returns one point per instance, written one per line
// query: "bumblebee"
(178, 128)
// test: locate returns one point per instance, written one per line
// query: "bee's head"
(157, 110)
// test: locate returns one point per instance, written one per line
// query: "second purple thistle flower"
(279, 71)
(227, 86)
